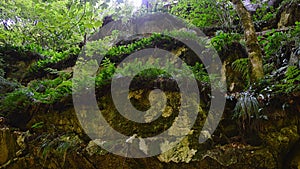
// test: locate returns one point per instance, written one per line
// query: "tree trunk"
(253, 48)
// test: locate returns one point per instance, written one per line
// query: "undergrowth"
(222, 40)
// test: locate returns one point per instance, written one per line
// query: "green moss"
(281, 141)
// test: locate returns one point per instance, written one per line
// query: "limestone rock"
(8, 144)
(289, 15)
(180, 153)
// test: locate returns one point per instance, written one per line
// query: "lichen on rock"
(180, 153)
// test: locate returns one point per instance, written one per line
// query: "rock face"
(8, 144)
(235, 80)
(293, 160)
(290, 13)
(60, 142)
(16, 63)
(52, 137)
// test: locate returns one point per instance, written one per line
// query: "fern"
(292, 75)
(242, 66)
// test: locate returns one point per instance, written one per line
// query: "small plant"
(285, 82)
(59, 146)
(246, 108)
(54, 93)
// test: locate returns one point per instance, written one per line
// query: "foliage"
(59, 146)
(290, 82)
(273, 42)
(106, 72)
(205, 13)
(53, 29)
(103, 47)
(151, 68)
(37, 125)
(295, 34)
(53, 90)
(20, 99)
(42, 91)
(200, 72)
(277, 46)
(292, 75)
(117, 51)
(242, 66)
(269, 67)
(246, 108)
(52, 57)
(38, 91)
(280, 83)
(55, 24)
(222, 39)
(154, 68)
(186, 34)
(264, 13)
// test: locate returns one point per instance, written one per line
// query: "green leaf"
(89, 25)
(40, 25)
(37, 125)
(98, 24)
